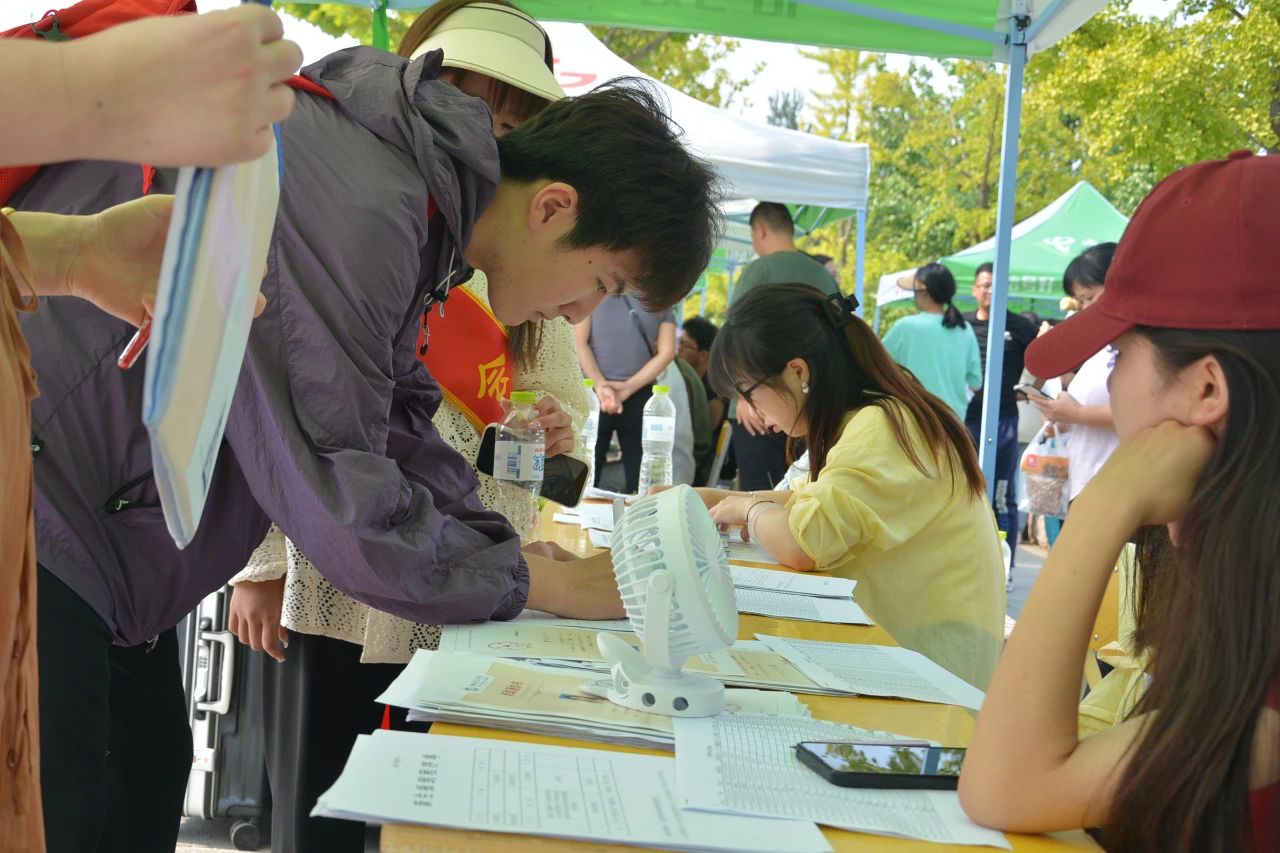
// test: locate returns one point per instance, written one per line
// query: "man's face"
(518, 243)
(689, 351)
(548, 281)
(982, 290)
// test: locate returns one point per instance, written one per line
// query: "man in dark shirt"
(762, 455)
(1018, 335)
(696, 336)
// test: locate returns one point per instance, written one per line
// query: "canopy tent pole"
(1004, 231)
(860, 265)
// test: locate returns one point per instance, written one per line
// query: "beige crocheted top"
(312, 605)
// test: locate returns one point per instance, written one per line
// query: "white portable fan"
(674, 577)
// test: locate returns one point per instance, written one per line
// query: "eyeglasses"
(746, 395)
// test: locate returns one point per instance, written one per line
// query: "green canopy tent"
(1041, 246)
(1008, 31)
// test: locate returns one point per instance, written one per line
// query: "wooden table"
(948, 724)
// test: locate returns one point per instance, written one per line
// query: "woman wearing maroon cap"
(1193, 309)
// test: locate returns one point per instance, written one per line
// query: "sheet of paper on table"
(784, 605)
(747, 663)
(600, 538)
(746, 764)
(533, 789)
(876, 671)
(549, 620)
(543, 700)
(796, 583)
(596, 516)
(748, 552)
(605, 494)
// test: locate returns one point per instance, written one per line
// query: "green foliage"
(354, 21)
(1121, 103)
(683, 61)
(784, 109)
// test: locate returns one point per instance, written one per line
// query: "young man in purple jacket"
(330, 432)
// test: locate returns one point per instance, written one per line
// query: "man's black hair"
(776, 217)
(702, 330)
(639, 188)
(985, 266)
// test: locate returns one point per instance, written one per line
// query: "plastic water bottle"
(518, 457)
(590, 430)
(658, 437)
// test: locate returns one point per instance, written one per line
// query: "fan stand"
(659, 689)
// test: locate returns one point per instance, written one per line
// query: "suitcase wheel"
(246, 835)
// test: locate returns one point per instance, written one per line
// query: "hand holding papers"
(746, 764)
(213, 264)
(499, 786)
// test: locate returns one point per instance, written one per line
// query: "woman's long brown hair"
(522, 340)
(848, 369)
(1208, 610)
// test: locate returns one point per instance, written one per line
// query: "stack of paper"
(528, 789)
(746, 764)
(788, 595)
(526, 697)
(837, 669)
(876, 671)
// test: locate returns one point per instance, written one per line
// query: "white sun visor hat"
(501, 42)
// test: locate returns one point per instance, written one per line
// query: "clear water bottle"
(590, 430)
(518, 457)
(658, 437)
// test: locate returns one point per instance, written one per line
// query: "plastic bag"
(1045, 463)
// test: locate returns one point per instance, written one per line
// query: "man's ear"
(553, 207)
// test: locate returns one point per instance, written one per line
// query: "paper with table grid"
(746, 764)
(531, 789)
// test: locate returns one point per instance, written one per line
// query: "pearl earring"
(804, 387)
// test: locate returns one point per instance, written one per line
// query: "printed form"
(822, 586)
(562, 792)
(876, 671)
(746, 764)
(784, 605)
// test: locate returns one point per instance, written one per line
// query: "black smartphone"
(1033, 391)
(563, 477)
(883, 765)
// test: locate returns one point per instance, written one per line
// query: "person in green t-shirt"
(761, 455)
(936, 345)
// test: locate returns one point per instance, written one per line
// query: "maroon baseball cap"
(1201, 252)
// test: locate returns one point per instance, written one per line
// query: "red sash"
(468, 356)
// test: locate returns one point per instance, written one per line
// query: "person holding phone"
(1195, 393)
(894, 497)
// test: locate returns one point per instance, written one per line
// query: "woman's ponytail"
(952, 318)
(940, 284)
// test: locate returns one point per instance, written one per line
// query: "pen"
(137, 344)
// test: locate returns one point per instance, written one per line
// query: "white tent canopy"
(757, 161)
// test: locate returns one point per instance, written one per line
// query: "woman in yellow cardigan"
(895, 498)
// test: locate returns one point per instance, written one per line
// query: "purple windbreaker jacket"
(330, 431)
